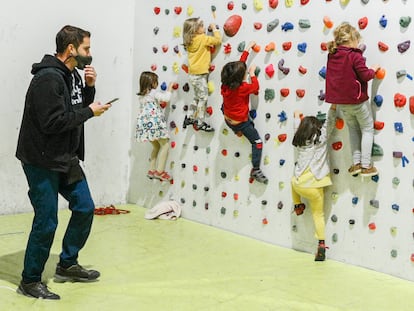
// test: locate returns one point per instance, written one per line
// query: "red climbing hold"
(232, 25)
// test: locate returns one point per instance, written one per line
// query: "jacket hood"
(49, 61)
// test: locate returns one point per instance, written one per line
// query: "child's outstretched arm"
(246, 51)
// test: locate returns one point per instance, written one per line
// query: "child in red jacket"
(236, 92)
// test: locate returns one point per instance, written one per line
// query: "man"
(50, 145)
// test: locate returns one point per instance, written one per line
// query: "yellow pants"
(315, 197)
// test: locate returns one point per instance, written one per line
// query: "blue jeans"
(360, 124)
(248, 130)
(44, 187)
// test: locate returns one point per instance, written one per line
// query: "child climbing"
(236, 94)
(198, 46)
(312, 173)
(347, 79)
(151, 123)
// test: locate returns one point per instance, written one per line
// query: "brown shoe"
(370, 171)
(299, 208)
(355, 169)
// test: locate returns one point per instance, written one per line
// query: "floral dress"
(151, 121)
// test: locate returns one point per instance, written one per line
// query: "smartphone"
(111, 101)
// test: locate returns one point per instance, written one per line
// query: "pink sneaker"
(163, 176)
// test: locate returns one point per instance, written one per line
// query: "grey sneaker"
(75, 273)
(256, 173)
(36, 290)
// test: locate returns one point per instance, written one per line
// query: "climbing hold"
(355, 200)
(224, 152)
(334, 218)
(206, 206)
(304, 23)
(322, 72)
(287, 46)
(337, 145)
(190, 10)
(167, 11)
(394, 253)
(206, 188)
(284, 92)
(268, 115)
(401, 73)
(282, 116)
(288, 3)
(327, 22)
(244, 6)
(302, 47)
(375, 178)
(155, 30)
(153, 67)
(282, 162)
(363, 22)
(223, 194)
(395, 181)
(374, 203)
(213, 10)
(382, 46)
(223, 211)
(397, 154)
(230, 5)
(267, 136)
(378, 100)
(257, 26)
(209, 110)
(253, 113)
(282, 137)
(336, 171)
(273, 4)
(223, 175)
(265, 221)
(241, 46)
(411, 101)
(178, 10)
(235, 213)
(287, 26)
(405, 21)
(184, 67)
(383, 21)
(339, 123)
(395, 207)
(269, 94)
(157, 10)
(256, 48)
(283, 69)
(232, 25)
(321, 95)
(281, 185)
(235, 196)
(164, 48)
(352, 221)
(270, 71)
(376, 150)
(195, 147)
(399, 100)
(335, 237)
(211, 87)
(404, 46)
(380, 73)
(271, 46)
(155, 50)
(302, 70)
(272, 25)
(172, 124)
(195, 168)
(258, 5)
(372, 226)
(279, 205)
(378, 125)
(227, 48)
(300, 93)
(404, 161)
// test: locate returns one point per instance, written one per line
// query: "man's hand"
(98, 108)
(90, 75)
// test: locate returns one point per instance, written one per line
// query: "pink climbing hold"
(363, 22)
(232, 25)
(270, 70)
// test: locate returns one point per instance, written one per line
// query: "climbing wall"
(370, 221)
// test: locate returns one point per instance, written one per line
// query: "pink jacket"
(347, 77)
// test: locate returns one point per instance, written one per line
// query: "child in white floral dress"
(152, 124)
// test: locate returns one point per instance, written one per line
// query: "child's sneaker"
(320, 253)
(299, 208)
(187, 121)
(163, 176)
(369, 171)
(204, 127)
(256, 173)
(150, 174)
(355, 169)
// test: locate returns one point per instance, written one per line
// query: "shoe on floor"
(36, 290)
(370, 171)
(320, 253)
(75, 273)
(299, 208)
(187, 121)
(257, 174)
(355, 169)
(163, 176)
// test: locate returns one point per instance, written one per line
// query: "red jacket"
(236, 101)
(347, 77)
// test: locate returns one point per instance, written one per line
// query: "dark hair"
(309, 129)
(233, 74)
(147, 81)
(70, 35)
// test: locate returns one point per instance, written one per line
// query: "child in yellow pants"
(312, 172)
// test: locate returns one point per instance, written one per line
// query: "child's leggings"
(315, 197)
